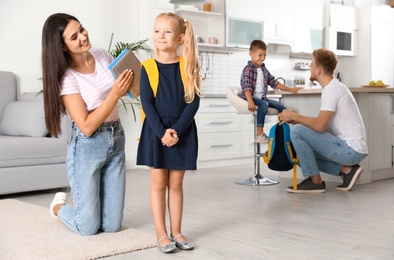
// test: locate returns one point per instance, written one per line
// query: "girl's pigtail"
(192, 66)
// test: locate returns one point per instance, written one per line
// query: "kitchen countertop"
(312, 91)
(271, 94)
(308, 91)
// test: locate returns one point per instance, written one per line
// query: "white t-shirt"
(94, 87)
(346, 123)
(258, 91)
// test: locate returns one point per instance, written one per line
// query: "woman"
(77, 81)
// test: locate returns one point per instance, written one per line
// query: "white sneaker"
(263, 139)
(60, 198)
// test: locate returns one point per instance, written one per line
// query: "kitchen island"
(376, 105)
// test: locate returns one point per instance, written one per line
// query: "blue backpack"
(281, 155)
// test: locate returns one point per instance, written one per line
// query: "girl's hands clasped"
(170, 138)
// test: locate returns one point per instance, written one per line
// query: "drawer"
(215, 105)
(214, 146)
(218, 123)
(247, 122)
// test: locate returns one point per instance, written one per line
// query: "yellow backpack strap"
(153, 76)
(150, 66)
(182, 69)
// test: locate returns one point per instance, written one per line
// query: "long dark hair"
(55, 61)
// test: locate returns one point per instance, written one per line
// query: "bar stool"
(233, 95)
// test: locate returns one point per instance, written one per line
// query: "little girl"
(170, 97)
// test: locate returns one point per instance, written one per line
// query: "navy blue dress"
(167, 110)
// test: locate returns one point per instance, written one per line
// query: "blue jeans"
(96, 172)
(321, 151)
(262, 108)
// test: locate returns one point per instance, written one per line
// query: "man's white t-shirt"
(346, 123)
(94, 87)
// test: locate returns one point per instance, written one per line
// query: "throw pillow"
(23, 118)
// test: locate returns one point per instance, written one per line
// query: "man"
(333, 142)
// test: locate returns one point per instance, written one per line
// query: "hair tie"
(184, 21)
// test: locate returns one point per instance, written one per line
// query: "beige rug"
(27, 231)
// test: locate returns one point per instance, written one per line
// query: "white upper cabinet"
(245, 9)
(278, 17)
(244, 23)
(309, 29)
(343, 16)
(207, 24)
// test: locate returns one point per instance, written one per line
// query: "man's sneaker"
(350, 178)
(308, 186)
(263, 139)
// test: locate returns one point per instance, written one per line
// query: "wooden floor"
(230, 221)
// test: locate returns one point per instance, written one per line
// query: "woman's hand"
(170, 138)
(123, 82)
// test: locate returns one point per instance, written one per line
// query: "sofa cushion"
(8, 88)
(27, 151)
(23, 118)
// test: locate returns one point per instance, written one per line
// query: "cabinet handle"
(392, 155)
(392, 104)
(221, 145)
(219, 105)
(220, 123)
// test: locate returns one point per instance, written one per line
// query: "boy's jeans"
(263, 108)
(321, 151)
(96, 172)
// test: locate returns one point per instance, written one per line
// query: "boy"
(255, 79)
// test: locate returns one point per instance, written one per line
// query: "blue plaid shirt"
(249, 78)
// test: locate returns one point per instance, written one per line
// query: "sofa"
(30, 159)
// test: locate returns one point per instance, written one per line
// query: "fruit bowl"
(375, 86)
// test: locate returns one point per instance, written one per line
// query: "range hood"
(278, 48)
(187, 2)
(286, 49)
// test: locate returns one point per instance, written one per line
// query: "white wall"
(21, 23)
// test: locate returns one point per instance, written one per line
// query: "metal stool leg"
(257, 179)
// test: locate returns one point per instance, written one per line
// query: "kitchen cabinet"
(377, 111)
(248, 134)
(343, 16)
(380, 130)
(207, 24)
(219, 130)
(278, 17)
(225, 134)
(246, 9)
(309, 32)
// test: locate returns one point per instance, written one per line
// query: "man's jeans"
(321, 151)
